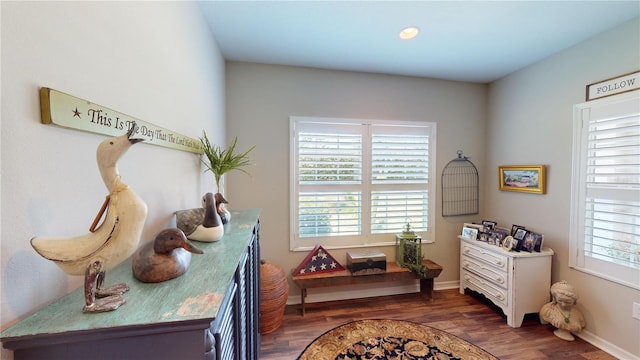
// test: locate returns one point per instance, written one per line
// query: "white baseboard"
(446, 285)
(606, 346)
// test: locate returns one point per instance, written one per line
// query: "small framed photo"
(480, 227)
(470, 233)
(523, 178)
(509, 243)
(499, 234)
(483, 236)
(533, 241)
(520, 234)
(489, 225)
(516, 244)
(514, 229)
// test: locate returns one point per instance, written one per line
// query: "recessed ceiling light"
(409, 32)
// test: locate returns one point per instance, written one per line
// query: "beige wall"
(530, 122)
(260, 99)
(154, 61)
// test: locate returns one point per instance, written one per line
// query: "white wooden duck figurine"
(225, 215)
(110, 243)
(166, 257)
(201, 224)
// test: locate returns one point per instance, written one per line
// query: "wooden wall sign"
(613, 86)
(68, 111)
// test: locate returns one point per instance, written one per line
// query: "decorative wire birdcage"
(460, 187)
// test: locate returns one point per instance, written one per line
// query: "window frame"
(609, 270)
(365, 238)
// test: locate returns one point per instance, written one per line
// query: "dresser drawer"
(490, 290)
(489, 272)
(496, 260)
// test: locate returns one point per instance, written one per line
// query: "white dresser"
(517, 282)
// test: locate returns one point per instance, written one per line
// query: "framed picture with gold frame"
(523, 178)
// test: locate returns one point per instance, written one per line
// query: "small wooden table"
(344, 277)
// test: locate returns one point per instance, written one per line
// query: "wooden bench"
(394, 273)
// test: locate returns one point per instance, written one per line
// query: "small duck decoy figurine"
(110, 243)
(201, 224)
(225, 215)
(166, 257)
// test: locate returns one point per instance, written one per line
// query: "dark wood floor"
(466, 316)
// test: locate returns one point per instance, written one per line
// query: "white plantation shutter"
(391, 210)
(358, 182)
(606, 196)
(400, 159)
(329, 158)
(399, 177)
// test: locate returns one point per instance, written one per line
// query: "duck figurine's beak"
(220, 199)
(190, 248)
(225, 215)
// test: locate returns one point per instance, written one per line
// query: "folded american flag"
(318, 261)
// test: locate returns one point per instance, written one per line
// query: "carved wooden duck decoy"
(225, 215)
(110, 243)
(201, 224)
(166, 257)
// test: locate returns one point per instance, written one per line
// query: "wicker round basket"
(274, 289)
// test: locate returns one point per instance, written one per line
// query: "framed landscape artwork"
(523, 178)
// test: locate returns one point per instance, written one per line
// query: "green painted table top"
(195, 296)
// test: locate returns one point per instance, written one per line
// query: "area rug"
(391, 339)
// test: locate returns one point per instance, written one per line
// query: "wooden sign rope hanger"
(58, 108)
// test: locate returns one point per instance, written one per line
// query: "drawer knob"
(499, 279)
(499, 262)
(500, 296)
(465, 264)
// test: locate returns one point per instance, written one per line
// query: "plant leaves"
(221, 161)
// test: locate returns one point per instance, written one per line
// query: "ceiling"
(474, 41)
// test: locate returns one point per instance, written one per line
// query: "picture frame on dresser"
(498, 235)
(515, 228)
(520, 234)
(508, 243)
(470, 233)
(489, 225)
(533, 241)
(519, 238)
(527, 243)
(480, 227)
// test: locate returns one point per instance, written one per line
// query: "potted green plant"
(220, 161)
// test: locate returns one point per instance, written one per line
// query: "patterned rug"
(390, 339)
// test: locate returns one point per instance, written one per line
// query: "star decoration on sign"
(76, 112)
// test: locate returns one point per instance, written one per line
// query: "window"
(358, 182)
(605, 201)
